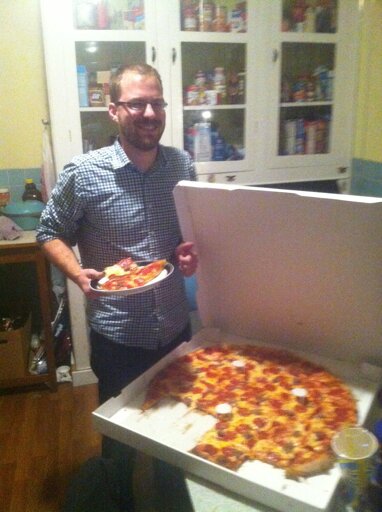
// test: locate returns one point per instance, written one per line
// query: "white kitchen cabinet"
(311, 69)
(272, 64)
(236, 131)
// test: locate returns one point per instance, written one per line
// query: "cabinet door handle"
(275, 55)
(173, 56)
(153, 54)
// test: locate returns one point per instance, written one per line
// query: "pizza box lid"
(301, 270)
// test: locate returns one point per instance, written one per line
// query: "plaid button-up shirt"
(103, 203)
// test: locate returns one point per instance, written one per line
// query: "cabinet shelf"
(109, 35)
(93, 109)
(308, 37)
(214, 107)
(304, 104)
(213, 37)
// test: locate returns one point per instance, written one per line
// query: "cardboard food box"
(14, 350)
(295, 270)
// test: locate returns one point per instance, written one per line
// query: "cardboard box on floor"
(14, 351)
(301, 271)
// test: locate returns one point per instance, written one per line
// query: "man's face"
(141, 127)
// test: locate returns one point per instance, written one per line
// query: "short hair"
(139, 69)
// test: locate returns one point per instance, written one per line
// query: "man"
(116, 202)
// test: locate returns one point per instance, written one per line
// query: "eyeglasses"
(140, 106)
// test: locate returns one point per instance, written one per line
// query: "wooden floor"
(44, 438)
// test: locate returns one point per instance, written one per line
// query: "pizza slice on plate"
(127, 274)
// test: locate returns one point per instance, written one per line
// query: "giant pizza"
(270, 405)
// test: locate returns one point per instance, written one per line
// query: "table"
(26, 250)
(208, 497)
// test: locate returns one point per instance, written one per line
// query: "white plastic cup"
(355, 448)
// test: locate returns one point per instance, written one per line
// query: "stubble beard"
(144, 142)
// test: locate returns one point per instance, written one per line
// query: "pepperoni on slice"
(207, 448)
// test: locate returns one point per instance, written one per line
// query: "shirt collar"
(120, 159)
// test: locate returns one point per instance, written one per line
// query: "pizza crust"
(319, 464)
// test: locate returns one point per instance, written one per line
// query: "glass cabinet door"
(307, 77)
(104, 41)
(96, 61)
(213, 79)
(214, 100)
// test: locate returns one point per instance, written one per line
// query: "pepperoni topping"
(259, 422)
(208, 448)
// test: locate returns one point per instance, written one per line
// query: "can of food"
(4, 197)
(211, 97)
(192, 95)
(220, 22)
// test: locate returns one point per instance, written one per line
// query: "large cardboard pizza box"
(294, 270)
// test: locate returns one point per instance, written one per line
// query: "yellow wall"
(368, 145)
(23, 98)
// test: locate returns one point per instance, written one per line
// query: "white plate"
(167, 271)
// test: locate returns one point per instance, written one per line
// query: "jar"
(190, 20)
(96, 96)
(206, 15)
(233, 88)
(200, 79)
(219, 76)
(4, 197)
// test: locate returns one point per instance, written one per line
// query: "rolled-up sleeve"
(64, 210)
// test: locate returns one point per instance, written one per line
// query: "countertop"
(26, 238)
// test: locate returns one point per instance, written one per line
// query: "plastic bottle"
(31, 192)
(102, 16)
(83, 85)
(202, 142)
(35, 343)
